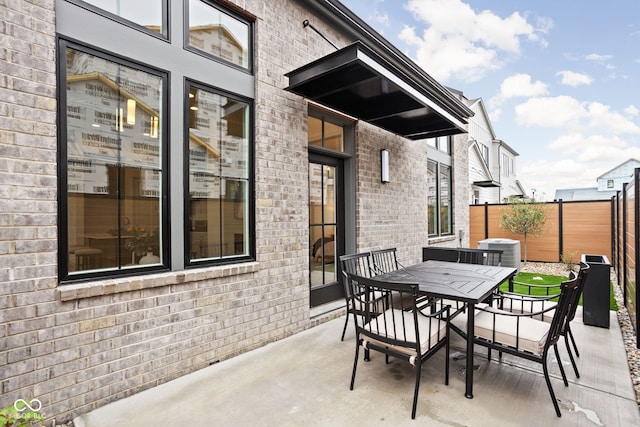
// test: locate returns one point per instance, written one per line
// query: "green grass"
(547, 280)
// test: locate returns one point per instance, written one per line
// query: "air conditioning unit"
(510, 250)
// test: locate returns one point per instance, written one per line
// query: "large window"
(218, 146)
(441, 143)
(155, 140)
(439, 210)
(148, 14)
(218, 33)
(113, 157)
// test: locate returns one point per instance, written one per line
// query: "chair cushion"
(532, 332)
(516, 305)
(431, 330)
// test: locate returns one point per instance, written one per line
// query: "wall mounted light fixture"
(384, 166)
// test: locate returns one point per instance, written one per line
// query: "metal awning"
(360, 83)
(487, 183)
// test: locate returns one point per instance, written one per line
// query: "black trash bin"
(596, 293)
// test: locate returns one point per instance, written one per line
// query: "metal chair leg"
(573, 341)
(549, 386)
(344, 330)
(573, 362)
(355, 365)
(564, 376)
(415, 393)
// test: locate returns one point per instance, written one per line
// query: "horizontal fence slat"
(586, 229)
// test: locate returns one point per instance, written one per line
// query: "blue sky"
(559, 78)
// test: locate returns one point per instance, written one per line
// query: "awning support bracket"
(306, 24)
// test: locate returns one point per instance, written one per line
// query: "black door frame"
(333, 290)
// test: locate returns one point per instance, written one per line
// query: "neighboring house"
(178, 186)
(492, 163)
(614, 179)
(583, 194)
(609, 183)
(504, 167)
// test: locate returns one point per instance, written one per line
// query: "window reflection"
(114, 163)
(325, 134)
(146, 13)
(322, 223)
(218, 34)
(218, 175)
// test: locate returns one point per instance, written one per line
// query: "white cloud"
(547, 176)
(632, 111)
(589, 148)
(601, 117)
(381, 18)
(598, 58)
(495, 114)
(454, 30)
(567, 112)
(580, 162)
(554, 112)
(571, 78)
(518, 85)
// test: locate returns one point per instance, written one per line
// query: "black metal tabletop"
(470, 283)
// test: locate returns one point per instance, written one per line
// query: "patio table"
(467, 283)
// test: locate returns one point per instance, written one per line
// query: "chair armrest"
(525, 297)
(430, 309)
(545, 287)
(497, 312)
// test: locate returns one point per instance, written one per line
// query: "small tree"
(525, 218)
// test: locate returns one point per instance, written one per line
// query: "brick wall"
(29, 356)
(77, 347)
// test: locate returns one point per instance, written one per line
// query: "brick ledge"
(128, 284)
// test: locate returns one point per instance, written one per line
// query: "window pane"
(322, 223)
(218, 34)
(333, 137)
(114, 163)
(445, 199)
(147, 13)
(444, 144)
(329, 194)
(315, 132)
(432, 199)
(315, 193)
(218, 175)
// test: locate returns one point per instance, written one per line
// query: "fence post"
(486, 220)
(624, 242)
(560, 232)
(636, 252)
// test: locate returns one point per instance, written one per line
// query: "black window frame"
(440, 160)
(234, 13)
(251, 256)
(64, 276)
(164, 34)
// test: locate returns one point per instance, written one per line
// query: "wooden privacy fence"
(572, 229)
(626, 242)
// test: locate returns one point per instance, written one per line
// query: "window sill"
(442, 239)
(128, 284)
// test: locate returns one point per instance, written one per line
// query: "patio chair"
(522, 335)
(518, 303)
(385, 260)
(407, 332)
(480, 256)
(361, 265)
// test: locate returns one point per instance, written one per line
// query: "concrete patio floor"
(304, 381)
